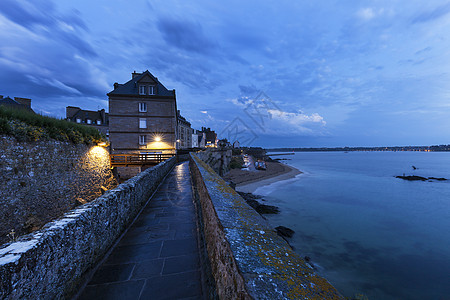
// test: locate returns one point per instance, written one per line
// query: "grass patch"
(236, 162)
(28, 126)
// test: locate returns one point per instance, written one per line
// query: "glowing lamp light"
(102, 144)
(157, 139)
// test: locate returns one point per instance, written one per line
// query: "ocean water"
(366, 231)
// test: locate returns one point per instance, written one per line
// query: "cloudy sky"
(269, 73)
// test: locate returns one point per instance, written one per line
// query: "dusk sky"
(269, 73)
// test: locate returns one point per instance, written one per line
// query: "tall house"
(142, 116)
(184, 132)
(211, 137)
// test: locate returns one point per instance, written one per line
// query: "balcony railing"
(124, 160)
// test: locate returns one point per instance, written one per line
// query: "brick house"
(142, 116)
(98, 119)
(184, 132)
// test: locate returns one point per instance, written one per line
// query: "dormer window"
(147, 90)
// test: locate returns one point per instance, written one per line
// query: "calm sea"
(366, 231)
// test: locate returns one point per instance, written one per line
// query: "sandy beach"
(249, 181)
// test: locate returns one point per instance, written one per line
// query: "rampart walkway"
(158, 257)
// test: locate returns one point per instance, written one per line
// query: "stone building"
(98, 119)
(211, 137)
(198, 139)
(142, 116)
(184, 132)
(16, 103)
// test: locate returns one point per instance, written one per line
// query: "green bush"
(28, 126)
(236, 162)
(4, 126)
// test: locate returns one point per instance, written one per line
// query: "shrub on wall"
(28, 126)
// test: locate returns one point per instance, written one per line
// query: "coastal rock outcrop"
(284, 231)
(415, 178)
(260, 208)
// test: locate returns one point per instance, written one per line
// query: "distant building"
(98, 119)
(198, 139)
(210, 136)
(17, 103)
(236, 145)
(184, 132)
(142, 116)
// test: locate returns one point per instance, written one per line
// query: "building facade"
(98, 119)
(184, 132)
(211, 137)
(198, 139)
(142, 116)
(16, 103)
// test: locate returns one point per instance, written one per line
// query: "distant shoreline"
(434, 148)
(248, 181)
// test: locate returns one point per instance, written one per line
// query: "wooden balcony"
(126, 160)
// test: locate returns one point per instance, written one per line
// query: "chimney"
(24, 101)
(102, 115)
(134, 74)
(116, 85)
(1, 97)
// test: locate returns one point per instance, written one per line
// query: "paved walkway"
(158, 258)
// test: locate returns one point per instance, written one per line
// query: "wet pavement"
(158, 257)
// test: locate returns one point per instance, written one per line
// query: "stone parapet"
(248, 259)
(50, 263)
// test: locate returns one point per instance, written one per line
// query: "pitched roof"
(132, 88)
(13, 103)
(89, 114)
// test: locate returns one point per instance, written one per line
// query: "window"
(89, 121)
(142, 90)
(99, 122)
(151, 90)
(78, 120)
(142, 107)
(142, 140)
(142, 123)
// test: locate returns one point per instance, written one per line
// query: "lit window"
(142, 90)
(142, 123)
(99, 122)
(142, 140)
(151, 90)
(78, 120)
(142, 107)
(89, 121)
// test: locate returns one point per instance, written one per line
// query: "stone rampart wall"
(217, 159)
(248, 259)
(40, 181)
(50, 263)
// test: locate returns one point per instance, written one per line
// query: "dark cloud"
(185, 35)
(27, 13)
(39, 15)
(434, 14)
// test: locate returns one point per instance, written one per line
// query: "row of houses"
(143, 118)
